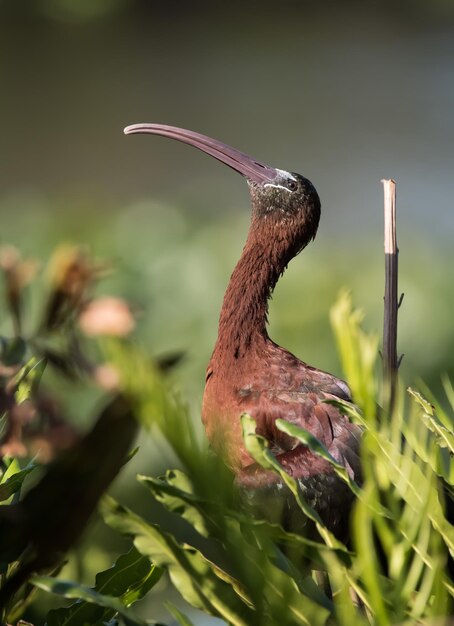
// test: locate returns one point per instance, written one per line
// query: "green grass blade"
(358, 352)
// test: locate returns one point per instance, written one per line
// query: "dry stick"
(390, 360)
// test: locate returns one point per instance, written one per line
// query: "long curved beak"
(240, 162)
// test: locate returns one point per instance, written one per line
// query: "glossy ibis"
(248, 372)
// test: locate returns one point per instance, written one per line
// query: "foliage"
(115, 590)
(250, 571)
(222, 560)
(38, 529)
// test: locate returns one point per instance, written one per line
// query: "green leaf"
(425, 404)
(199, 513)
(257, 447)
(370, 569)
(213, 590)
(12, 481)
(75, 591)
(308, 439)
(28, 378)
(411, 484)
(443, 436)
(358, 352)
(302, 604)
(11, 465)
(131, 454)
(181, 618)
(176, 493)
(129, 580)
(429, 432)
(200, 582)
(193, 508)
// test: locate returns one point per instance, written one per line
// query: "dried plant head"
(18, 273)
(72, 273)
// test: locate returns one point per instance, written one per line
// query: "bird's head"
(286, 199)
(289, 200)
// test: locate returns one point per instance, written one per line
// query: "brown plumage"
(250, 373)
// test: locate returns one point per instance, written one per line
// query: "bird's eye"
(292, 185)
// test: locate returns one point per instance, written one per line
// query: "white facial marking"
(277, 187)
(284, 174)
(287, 174)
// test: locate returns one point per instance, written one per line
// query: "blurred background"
(344, 93)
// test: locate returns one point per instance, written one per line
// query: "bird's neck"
(243, 319)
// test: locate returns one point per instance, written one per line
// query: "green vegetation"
(222, 561)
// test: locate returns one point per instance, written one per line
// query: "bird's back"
(278, 385)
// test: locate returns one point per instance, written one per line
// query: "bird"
(249, 373)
